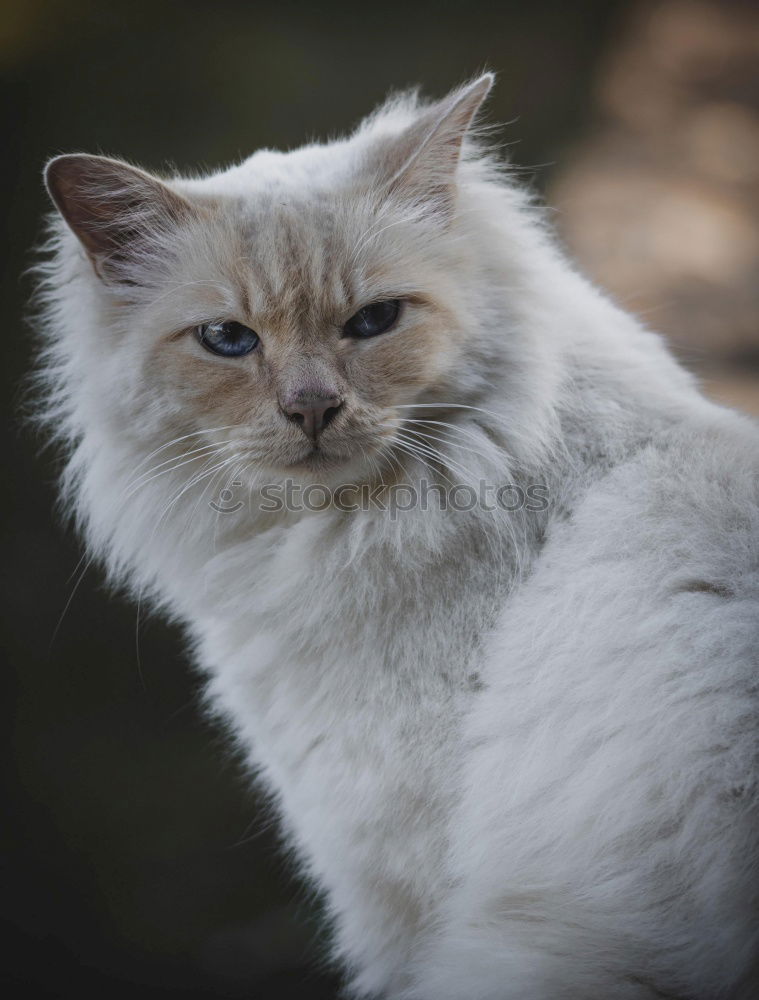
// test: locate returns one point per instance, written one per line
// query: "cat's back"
(652, 581)
(617, 732)
(668, 537)
(684, 506)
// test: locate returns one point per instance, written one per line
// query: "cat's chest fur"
(346, 679)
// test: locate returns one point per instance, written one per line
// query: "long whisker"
(457, 429)
(193, 482)
(373, 236)
(74, 589)
(184, 437)
(412, 453)
(208, 451)
(492, 534)
(233, 477)
(381, 216)
(446, 439)
(413, 448)
(438, 455)
(148, 474)
(450, 406)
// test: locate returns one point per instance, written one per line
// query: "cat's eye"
(373, 319)
(229, 339)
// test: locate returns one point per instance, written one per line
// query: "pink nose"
(312, 412)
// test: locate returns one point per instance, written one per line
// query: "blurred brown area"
(137, 860)
(660, 204)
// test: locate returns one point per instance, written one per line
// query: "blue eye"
(229, 339)
(371, 320)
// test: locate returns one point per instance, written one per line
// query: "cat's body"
(517, 749)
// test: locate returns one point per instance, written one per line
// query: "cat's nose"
(312, 412)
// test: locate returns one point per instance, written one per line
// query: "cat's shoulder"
(686, 501)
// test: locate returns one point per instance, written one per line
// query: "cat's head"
(299, 302)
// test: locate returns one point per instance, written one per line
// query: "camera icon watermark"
(226, 503)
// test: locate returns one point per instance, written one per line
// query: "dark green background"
(137, 862)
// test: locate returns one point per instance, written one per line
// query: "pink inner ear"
(111, 207)
(423, 159)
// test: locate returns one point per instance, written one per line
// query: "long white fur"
(517, 752)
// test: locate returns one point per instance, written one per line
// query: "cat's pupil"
(373, 319)
(229, 339)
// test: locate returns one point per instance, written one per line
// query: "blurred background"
(136, 860)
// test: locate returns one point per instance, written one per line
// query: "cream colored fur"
(516, 750)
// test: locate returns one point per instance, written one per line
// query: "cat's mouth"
(317, 458)
(314, 456)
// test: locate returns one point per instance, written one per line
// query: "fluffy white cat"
(516, 748)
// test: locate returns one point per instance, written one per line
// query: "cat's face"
(297, 303)
(300, 343)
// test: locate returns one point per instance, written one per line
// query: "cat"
(515, 745)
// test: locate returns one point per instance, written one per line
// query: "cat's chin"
(325, 467)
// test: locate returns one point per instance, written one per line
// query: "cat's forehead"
(301, 231)
(300, 249)
(298, 256)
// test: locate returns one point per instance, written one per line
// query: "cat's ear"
(117, 212)
(421, 162)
